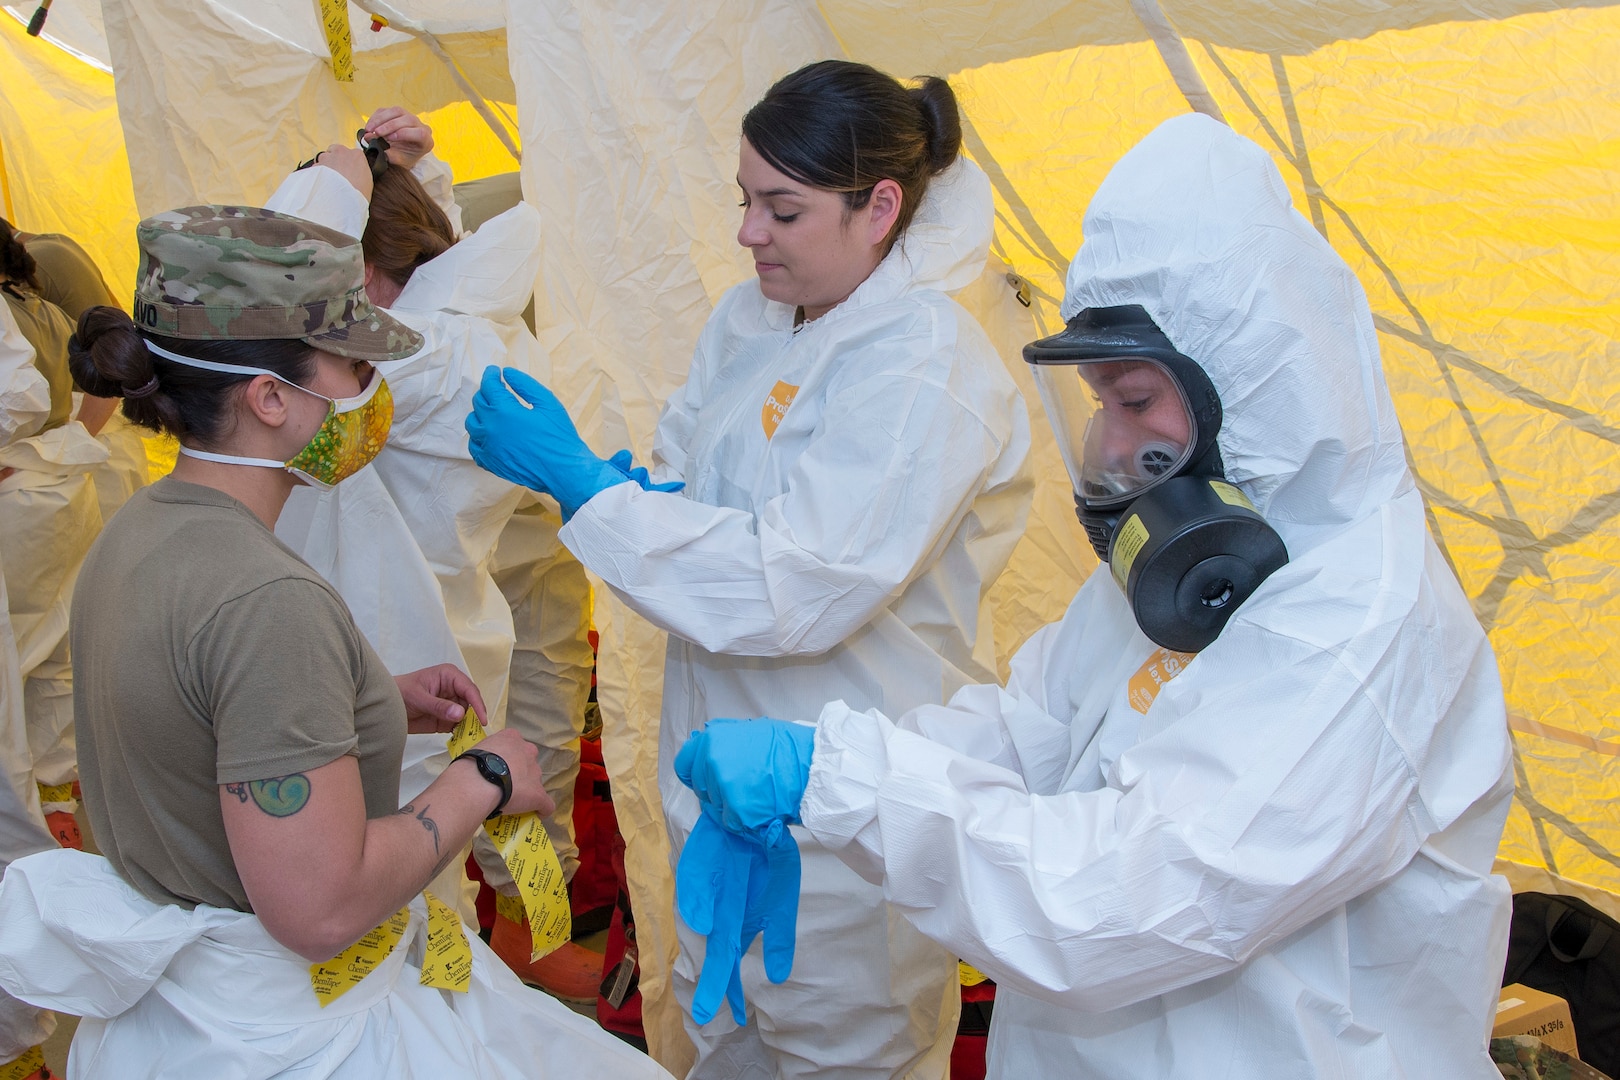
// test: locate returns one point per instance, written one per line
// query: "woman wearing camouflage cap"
(239, 739)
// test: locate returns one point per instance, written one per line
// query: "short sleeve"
(279, 670)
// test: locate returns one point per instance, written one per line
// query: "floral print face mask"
(351, 436)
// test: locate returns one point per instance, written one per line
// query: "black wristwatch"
(492, 767)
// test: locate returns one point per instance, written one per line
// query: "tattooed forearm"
(282, 796)
(427, 823)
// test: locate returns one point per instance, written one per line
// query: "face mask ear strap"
(1210, 465)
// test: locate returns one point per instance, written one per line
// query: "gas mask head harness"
(1136, 421)
(375, 148)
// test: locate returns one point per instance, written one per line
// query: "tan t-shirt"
(206, 653)
(47, 329)
(68, 277)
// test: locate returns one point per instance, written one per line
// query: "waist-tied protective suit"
(853, 488)
(25, 401)
(1269, 859)
(50, 514)
(168, 992)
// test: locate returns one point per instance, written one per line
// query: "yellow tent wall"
(62, 162)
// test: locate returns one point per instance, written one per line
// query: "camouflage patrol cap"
(242, 273)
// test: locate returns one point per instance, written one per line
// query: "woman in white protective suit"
(464, 295)
(1234, 815)
(854, 457)
(50, 512)
(259, 910)
(25, 402)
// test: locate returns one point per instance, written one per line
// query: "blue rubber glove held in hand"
(740, 881)
(750, 772)
(732, 889)
(739, 871)
(537, 445)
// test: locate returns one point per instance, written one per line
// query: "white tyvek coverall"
(25, 401)
(49, 517)
(127, 468)
(1281, 867)
(167, 992)
(355, 537)
(846, 555)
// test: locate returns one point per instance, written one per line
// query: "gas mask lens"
(1140, 432)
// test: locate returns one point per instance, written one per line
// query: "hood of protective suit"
(947, 242)
(489, 273)
(1196, 225)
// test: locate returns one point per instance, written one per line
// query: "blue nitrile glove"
(535, 445)
(621, 461)
(711, 894)
(773, 907)
(751, 772)
(731, 889)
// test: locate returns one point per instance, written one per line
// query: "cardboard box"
(1523, 1011)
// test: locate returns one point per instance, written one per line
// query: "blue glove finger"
(625, 464)
(696, 877)
(779, 908)
(529, 388)
(734, 996)
(491, 391)
(726, 885)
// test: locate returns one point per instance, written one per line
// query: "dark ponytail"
(109, 358)
(843, 127)
(16, 265)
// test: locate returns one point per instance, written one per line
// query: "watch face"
(495, 765)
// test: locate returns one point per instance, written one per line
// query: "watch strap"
(501, 778)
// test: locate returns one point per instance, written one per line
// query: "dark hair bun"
(16, 265)
(108, 359)
(942, 120)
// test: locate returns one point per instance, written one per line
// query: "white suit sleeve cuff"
(323, 196)
(840, 800)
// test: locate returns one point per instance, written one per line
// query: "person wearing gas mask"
(1235, 813)
(241, 740)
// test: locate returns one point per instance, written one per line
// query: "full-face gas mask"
(1136, 422)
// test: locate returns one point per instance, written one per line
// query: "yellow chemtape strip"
(510, 907)
(969, 975)
(56, 793)
(27, 1065)
(532, 861)
(339, 41)
(447, 964)
(343, 972)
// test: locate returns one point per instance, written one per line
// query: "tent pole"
(1177, 58)
(5, 186)
(395, 20)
